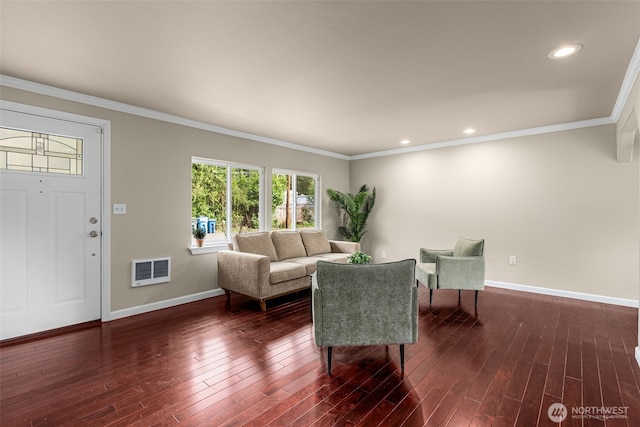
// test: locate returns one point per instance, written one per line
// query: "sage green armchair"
(459, 268)
(365, 304)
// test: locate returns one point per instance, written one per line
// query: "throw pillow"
(288, 244)
(315, 242)
(256, 243)
(467, 247)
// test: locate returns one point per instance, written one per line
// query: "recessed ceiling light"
(564, 51)
(469, 131)
(405, 142)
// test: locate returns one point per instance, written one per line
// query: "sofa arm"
(429, 255)
(339, 246)
(244, 273)
(460, 272)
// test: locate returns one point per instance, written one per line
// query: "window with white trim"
(294, 196)
(226, 199)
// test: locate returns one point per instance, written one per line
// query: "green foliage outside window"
(282, 209)
(209, 196)
(208, 191)
(278, 191)
(245, 200)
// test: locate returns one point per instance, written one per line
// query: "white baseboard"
(638, 355)
(566, 294)
(140, 309)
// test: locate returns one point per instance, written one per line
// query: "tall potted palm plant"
(353, 211)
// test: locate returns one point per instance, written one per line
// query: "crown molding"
(627, 85)
(486, 138)
(95, 101)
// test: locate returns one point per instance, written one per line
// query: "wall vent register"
(150, 271)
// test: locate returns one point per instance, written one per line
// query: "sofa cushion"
(466, 247)
(283, 271)
(288, 244)
(309, 263)
(339, 258)
(258, 243)
(315, 242)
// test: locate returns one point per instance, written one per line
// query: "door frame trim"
(105, 188)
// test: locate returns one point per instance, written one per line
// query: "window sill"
(207, 249)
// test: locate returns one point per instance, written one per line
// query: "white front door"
(50, 223)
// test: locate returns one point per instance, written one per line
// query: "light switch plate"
(119, 209)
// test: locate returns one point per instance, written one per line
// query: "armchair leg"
(402, 357)
(430, 296)
(329, 351)
(459, 296)
(476, 299)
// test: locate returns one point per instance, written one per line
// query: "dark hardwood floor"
(204, 364)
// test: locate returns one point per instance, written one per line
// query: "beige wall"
(560, 202)
(151, 173)
(631, 108)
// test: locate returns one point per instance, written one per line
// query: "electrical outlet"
(383, 254)
(513, 260)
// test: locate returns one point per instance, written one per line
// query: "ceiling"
(346, 77)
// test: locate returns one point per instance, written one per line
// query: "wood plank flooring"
(207, 364)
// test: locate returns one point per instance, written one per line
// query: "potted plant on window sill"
(199, 234)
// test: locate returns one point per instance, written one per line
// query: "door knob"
(93, 233)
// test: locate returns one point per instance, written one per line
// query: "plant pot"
(199, 242)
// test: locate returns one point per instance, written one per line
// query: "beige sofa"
(265, 265)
